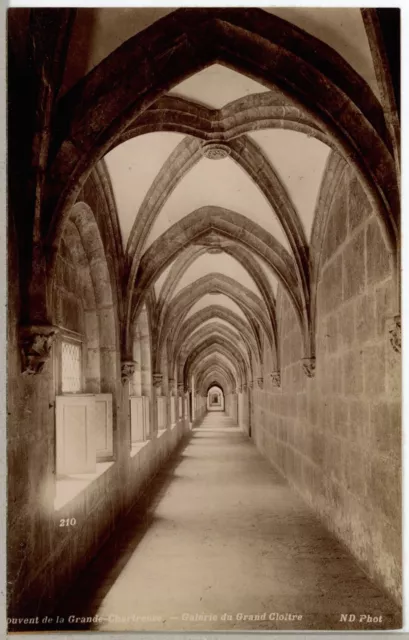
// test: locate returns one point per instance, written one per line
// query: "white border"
(405, 294)
(200, 3)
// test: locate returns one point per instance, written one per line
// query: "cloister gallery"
(204, 318)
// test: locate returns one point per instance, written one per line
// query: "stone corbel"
(250, 384)
(36, 342)
(157, 379)
(127, 370)
(245, 387)
(395, 334)
(181, 388)
(276, 378)
(308, 365)
(260, 382)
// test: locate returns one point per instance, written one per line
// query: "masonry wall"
(43, 557)
(231, 406)
(337, 437)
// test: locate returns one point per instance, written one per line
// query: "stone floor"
(220, 537)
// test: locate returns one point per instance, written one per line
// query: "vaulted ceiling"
(97, 32)
(216, 186)
(136, 165)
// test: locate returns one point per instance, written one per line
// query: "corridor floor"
(222, 537)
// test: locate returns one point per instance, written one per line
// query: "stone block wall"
(43, 557)
(231, 405)
(243, 405)
(337, 437)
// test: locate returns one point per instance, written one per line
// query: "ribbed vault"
(209, 199)
(201, 185)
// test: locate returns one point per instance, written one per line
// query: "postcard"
(204, 319)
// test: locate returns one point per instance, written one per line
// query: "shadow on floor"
(93, 584)
(241, 541)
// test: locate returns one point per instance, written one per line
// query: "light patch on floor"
(227, 538)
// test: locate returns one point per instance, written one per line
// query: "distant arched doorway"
(215, 399)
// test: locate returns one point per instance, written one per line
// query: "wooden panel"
(147, 414)
(75, 434)
(161, 403)
(137, 419)
(103, 420)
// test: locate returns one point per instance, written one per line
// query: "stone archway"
(215, 399)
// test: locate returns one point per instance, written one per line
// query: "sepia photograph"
(203, 319)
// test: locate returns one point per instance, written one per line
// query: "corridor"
(203, 330)
(224, 534)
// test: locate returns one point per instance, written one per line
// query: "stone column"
(136, 386)
(172, 402)
(145, 366)
(180, 403)
(187, 394)
(234, 407)
(157, 379)
(127, 371)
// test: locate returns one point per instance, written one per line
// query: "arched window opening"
(71, 365)
(85, 352)
(215, 399)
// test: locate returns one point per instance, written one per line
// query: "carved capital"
(36, 342)
(308, 364)
(127, 370)
(395, 334)
(172, 386)
(245, 387)
(260, 382)
(276, 378)
(181, 388)
(157, 379)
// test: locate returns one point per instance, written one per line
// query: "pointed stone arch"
(198, 225)
(213, 330)
(215, 283)
(214, 360)
(239, 253)
(98, 109)
(251, 159)
(250, 113)
(215, 372)
(208, 345)
(210, 366)
(221, 313)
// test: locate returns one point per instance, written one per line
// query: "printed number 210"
(68, 522)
